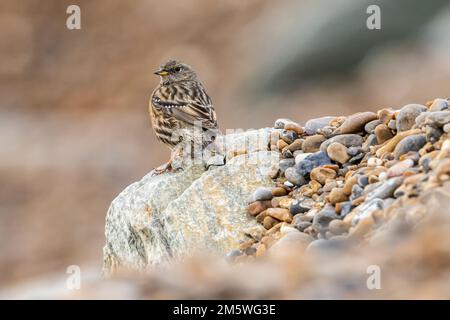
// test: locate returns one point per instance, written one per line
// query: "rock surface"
(172, 215)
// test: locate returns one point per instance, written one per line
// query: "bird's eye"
(177, 69)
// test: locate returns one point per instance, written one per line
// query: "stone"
(433, 134)
(366, 210)
(383, 133)
(338, 152)
(390, 145)
(292, 126)
(446, 128)
(171, 215)
(385, 115)
(302, 225)
(286, 163)
(317, 159)
(301, 206)
(312, 126)
(407, 116)
(392, 124)
(296, 145)
(386, 189)
(337, 195)
(321, 174)
(353, 151)
(281, 123)
(269, 222)
(410, 143)
(439, 105)
(281, 144)
(279, 191)
(300, 157)
(348, 140)
(374, 162)
(294, 176)
(436, 119)
(288, 136)
(370, 141)
(371, 125)
(323, 218)
(280, 214)
(338, 227)
(399, 168)
(312, 143)
(291, 242)
(355, 123)
(257, 207)
(261, 193)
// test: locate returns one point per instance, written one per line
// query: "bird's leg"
(168, 166)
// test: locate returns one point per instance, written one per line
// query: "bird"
(181, 111)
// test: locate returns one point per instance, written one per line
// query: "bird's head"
(174, 71)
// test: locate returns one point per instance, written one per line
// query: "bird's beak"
(161, 72)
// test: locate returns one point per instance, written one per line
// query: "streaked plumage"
(179, 102)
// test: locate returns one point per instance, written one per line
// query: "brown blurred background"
(74, 128)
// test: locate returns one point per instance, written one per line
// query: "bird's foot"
(165, 168)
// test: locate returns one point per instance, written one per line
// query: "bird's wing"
(188, 108)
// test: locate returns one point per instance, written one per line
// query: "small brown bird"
(179, 107)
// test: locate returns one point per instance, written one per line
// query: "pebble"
(281, 144)
(433, 134)
(353, 151)
(300, 157)
(288, 136)
(323, 218)
(383, 133)
(407, 116)
(392, 125)
(262, 193)
(370, 141)
(348, 140)
(257, 207)
(357, 192)
(312, 143)
(302, 225)
(311, 161)
(436, 119)
(280, 214)
(447, 128)
(286, 163)
(337, 195)
(373, 162)
(291, 242)
(281, 123)
(301, 206)
(279, 191)
(294, 177)
(386, 189)
(313, 125)
(399, 168)
(385, 115)
(439, 104)
(355, 122)
(371, 125)
(292, 126)
(269, 222)
(338, 227)
(338, 152)
(410, 143)
(321, 174)
(296, 145)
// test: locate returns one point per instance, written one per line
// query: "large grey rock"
(169, 216)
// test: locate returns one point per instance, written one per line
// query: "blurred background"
(74, 127)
